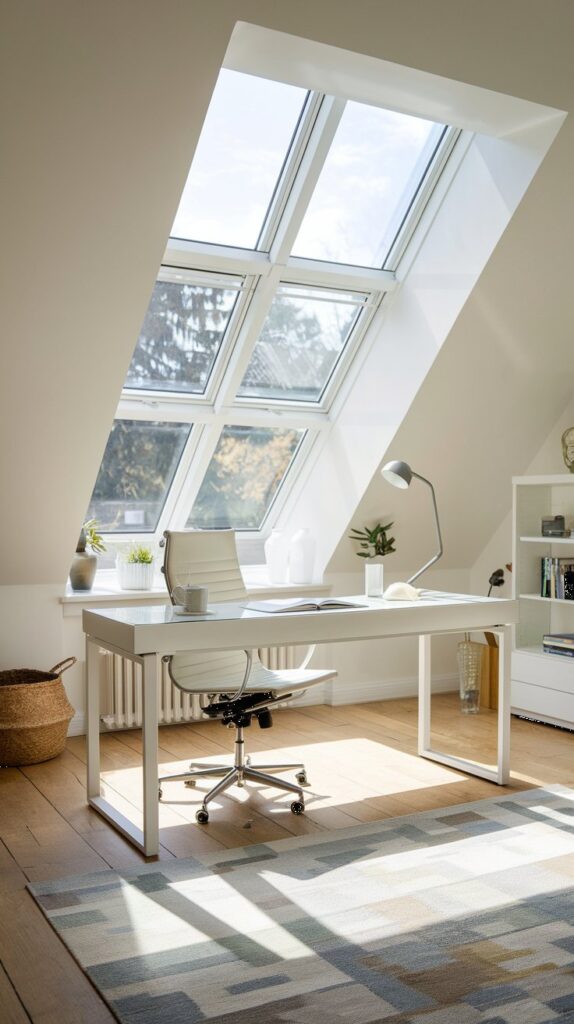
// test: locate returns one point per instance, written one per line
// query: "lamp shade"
(397, 473)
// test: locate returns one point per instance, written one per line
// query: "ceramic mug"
(192, 598)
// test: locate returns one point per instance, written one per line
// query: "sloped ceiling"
(103, 105)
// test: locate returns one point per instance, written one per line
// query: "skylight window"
(182, 333)
(246, 471)
(300, 343)
(297, 209)
(245, 139)
(136, 474)
(374, 168)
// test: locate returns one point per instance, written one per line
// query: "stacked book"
(559, 643)
(557, 578)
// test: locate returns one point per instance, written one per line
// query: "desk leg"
(424, 693)
(147, 840)
(504, 640)
(150, 684)
(93, 716)
(501, 772)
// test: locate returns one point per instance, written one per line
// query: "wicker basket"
(34, 714)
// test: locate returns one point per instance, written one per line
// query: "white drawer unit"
(542, 683)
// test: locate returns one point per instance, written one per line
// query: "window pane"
(181, 336)
(374, 168)
(245, 473)
(136, 473)
(243, 144)
(300, 343)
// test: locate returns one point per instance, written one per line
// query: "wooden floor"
(362, 766)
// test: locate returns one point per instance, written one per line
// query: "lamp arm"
(436, 557)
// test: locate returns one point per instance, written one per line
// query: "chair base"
(237, 774)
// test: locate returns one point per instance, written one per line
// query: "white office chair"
(236, 685)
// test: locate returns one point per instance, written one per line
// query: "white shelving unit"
(542, 684)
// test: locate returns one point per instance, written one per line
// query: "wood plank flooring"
(362, 765)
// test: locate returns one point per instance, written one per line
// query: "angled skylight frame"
(435, 166)
(263, 272)
(333, 189)
(280, 489)
(227, 285)
(310, 296)
(228, 89)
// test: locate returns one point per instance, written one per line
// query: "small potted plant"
(136, 567)
(374, 544)
(84, 564)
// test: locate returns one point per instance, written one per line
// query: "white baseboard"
(338, 693)
(77, 726)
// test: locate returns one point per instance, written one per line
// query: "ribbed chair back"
(205, 558)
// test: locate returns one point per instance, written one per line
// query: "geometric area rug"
(455, 916)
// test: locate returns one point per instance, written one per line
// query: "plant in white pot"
(374, 545)
(135, 567)
(84, 564)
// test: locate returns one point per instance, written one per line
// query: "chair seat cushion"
(223, 672)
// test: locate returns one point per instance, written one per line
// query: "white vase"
(374, 576)
(135, 575)
(276, 556)
(301, 557)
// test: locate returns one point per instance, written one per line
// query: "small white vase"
(301, 557)
(276, 556)
(374, 577)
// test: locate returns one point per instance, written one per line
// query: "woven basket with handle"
(34, 714)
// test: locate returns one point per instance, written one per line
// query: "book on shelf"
(561, 639)
(567, 652)
(557, 578)
(311, 604)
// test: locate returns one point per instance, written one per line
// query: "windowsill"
(106, 590)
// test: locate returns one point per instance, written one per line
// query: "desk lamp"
(400, 474)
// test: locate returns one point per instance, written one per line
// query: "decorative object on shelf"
(375, 545)
(400, 474)
(554, 526)
(469, 659)
(135, 567)
(276, 557)
(568, 448)
(84, 565)
(34, 714)
(301, 556)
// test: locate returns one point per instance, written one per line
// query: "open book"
(312, 604)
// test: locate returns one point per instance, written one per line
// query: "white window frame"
(261, 272)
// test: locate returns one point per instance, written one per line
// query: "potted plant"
(84, 564)
(374, 544)
(136, 567)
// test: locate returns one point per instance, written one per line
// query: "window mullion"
(246, 338)
(189, 482)
(308, 172)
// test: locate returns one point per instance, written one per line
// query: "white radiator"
(121, 690)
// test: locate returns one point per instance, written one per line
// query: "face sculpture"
(568, 448)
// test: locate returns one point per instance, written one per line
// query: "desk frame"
(147, 840)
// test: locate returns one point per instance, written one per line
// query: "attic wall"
(104, 106)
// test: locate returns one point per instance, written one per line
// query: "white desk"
(144, 634)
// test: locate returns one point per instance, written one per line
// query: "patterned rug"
(459, 916)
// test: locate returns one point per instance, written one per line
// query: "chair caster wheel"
(302, 778)
(190, 783)
(159, 793)
(297, 807)
(202, 817)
